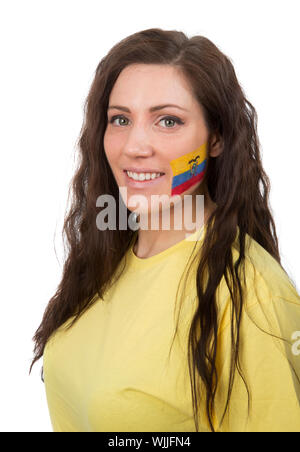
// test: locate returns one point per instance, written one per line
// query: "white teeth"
(142, 176)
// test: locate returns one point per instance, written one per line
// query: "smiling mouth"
(147, 177)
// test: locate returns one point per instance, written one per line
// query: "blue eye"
(172, 118)
(166, 118)
(113, 118)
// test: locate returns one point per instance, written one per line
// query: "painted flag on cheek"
(188, 169)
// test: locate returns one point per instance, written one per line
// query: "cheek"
(110, 149)
(188, 170)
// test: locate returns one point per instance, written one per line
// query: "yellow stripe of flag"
(181, 164)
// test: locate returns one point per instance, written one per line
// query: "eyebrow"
(151, 109)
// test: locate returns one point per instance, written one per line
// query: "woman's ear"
(216, 146)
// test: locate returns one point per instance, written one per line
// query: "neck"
(153, 241)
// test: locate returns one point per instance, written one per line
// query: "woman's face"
(147, 140)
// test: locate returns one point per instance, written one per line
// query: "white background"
(49, 53)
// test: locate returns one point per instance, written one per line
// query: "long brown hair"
(235, 179)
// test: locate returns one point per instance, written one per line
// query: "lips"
(142, 183)
(143, 170)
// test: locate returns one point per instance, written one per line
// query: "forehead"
(151, 84)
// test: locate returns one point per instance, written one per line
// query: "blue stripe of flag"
(183, 177)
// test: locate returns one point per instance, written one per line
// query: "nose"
(138, 143)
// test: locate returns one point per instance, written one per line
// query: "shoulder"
(265, 274)
(269, 295)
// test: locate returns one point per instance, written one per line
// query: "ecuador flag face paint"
(188, 169)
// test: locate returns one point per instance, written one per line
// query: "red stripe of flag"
(183, 187)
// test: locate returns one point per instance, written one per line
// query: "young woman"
(165, 115)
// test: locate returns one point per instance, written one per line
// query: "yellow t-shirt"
(112, 372)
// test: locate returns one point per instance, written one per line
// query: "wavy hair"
(236, 181)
